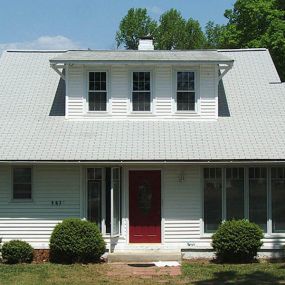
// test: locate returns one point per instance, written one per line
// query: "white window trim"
(130, 108)
(196, 71)
(108, 90)
(18, 200)
(269, 233)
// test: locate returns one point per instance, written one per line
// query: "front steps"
(144, 256)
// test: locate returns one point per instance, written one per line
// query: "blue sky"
(67, 24)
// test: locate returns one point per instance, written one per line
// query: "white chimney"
(146, 43)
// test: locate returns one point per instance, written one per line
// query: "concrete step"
(144, 256)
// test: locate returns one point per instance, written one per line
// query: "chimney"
(146, 43)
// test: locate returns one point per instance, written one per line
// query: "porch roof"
(251, 123)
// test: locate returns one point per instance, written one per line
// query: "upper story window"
(185, 90)
(97, 91)
(22, 183)
(141, 91)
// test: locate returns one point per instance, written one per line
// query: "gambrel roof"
(251, 123)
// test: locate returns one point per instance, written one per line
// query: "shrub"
(237, 241)
(75, 240)
(17, 251)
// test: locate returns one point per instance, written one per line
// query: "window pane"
(185, 101)
(141, 81)
(235, 193)
(212, 199)
(141, 101)
(278, 198)
(97, 101)
(116, 201)
(186, 80)
(258, 196)
(94, 188)
(22, 183)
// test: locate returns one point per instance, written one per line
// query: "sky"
(82, 24)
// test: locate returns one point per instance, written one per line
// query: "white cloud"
(43, 43)
(156, 10)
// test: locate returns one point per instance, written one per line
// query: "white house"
(156, 147)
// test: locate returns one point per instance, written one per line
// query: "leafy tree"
(214, 33)
(174, 32)
(137, 23)
(171, 31)
(257, 23)
(195, 37)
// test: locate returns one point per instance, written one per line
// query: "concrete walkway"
(143, 270)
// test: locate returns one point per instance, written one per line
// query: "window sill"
(28, 201)
(97, 113)
(144, 113)
(185, 112)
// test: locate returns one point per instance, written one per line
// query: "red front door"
(145, 206)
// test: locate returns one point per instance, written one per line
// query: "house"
(156, 147)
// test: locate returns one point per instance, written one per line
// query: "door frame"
(126, 183)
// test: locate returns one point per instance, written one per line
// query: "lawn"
(197, 273)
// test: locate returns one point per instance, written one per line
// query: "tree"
(214, 33)
(194, 36)
(174, 32)
(257, 23)
(171, 31)
(137, 23)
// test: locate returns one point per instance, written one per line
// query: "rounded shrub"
(75, 240)
(237, 241)
(17, 251)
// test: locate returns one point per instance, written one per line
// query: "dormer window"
(185, 90)
(97, 91)
(141, 90)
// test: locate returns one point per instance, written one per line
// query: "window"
(22, 183)
(235, 193)
(104, 199)
(97, 91)
(212, 198)
(185, 90)
(258, 196)
(94, 189)
(141, 91)
(278, 198)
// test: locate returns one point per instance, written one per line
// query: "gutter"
(136, 162)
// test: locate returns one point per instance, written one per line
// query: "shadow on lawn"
(231, 277)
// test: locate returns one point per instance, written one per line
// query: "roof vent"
(146, 43)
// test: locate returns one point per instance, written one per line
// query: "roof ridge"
(34, 51)
(242, 49)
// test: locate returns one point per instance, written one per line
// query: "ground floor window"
(104, 198)
(254, 193)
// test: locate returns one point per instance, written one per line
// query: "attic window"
(185, 90)
(141, 91)
(97, 91)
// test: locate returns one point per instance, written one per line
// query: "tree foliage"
(137, 23)
(253, 24)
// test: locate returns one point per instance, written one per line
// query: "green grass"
(196, 273)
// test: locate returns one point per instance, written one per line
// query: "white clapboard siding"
(181, 204)
(163, 90)
(120, 90)
(163, 93)
(208, 95)
(34, 221)
(76, 91)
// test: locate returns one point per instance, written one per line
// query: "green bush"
(75, 240)
(17, 251)
(237, 241)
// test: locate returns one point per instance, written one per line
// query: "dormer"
(142, 84)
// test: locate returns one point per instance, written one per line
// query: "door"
(145, 206)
